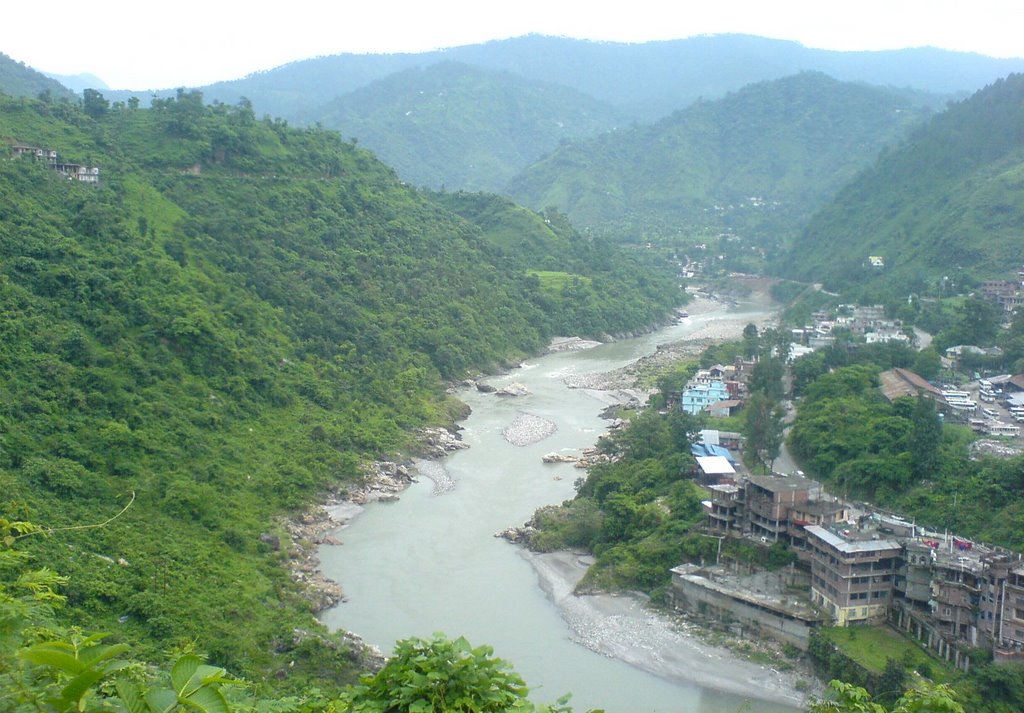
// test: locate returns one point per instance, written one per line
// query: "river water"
(430, 562)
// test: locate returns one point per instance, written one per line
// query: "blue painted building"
(699, 396)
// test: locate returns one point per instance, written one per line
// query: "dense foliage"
(234, 320)
(461, 126)
(946, 205)
(757, 162)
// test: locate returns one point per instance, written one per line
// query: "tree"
(767, 377)
(847, 698)
(763, 430)
(94, 103)
(925, 439)
(440, 674)
(751, 345)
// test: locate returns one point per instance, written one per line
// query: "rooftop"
(820, 507)
(784, 483)
(850, 541)
(764, 590)
(715, 465)
(902, 382)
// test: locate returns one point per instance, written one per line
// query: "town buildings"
(860, 566)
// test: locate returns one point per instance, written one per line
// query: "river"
(430, 562)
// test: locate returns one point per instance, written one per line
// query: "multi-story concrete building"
(852, 573)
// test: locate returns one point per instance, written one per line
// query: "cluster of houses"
(720, 390)
(1008, 294)
(855, 564)
(868, 322)
(71, 171)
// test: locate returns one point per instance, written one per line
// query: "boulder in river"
(515, 389)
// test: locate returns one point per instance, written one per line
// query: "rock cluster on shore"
(438, 442)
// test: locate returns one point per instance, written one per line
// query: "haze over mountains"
(368, 96)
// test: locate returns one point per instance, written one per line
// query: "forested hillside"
(757, 162)
(236, 318)
(465, 127)
(949, 202)
(20, 80)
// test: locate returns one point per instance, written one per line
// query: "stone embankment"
(382, 481)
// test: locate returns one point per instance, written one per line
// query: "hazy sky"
(140, 44)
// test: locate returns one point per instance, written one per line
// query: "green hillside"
(20, 80)
(234, 320)
(948, 202)
(756, 163)
(451, 124)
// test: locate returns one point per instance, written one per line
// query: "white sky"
(146, 44)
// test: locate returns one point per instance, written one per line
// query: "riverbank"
(621, 626)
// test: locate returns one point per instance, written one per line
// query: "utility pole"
(718, 556)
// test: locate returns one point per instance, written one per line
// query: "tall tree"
(925, 439)
(764, 427)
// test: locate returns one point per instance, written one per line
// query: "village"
(71, 171)
(855, 564)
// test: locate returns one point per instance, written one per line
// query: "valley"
(214, 319)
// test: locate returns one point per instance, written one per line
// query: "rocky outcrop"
(518, 535)
(559, 458)
(571, 344)
(365, 657)
(591, 456)
(438, 442)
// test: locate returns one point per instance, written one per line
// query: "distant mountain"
(949, 202)
(452, 124)
(758, 162)
(79, 82)
(647, 81)
(19, 80)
